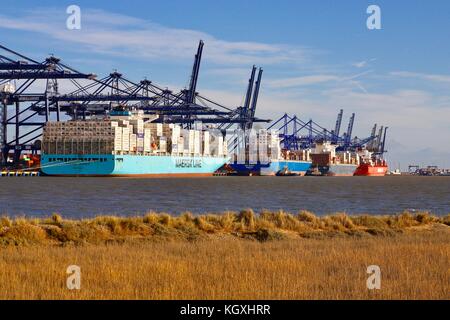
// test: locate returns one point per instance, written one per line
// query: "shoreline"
(246, 224)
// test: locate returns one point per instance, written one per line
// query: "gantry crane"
(90, 97)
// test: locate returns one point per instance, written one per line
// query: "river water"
(87, 197)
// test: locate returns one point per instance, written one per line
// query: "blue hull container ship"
(128, 165)
(125, 145)
(274, 167)
(261, 155)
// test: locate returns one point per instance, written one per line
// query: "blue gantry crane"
(245, 114)
(296, 134)
(87, 96)
(16, 67)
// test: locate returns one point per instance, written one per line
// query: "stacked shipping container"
(263, 146)
(129, 137)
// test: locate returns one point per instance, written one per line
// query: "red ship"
(377, 168)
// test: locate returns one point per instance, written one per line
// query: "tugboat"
(285, 172)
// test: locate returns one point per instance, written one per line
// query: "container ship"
(278, 167)
(262, 156)
(124, 144)
(370, 165)
(327, 162)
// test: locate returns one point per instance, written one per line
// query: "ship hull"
(272, 168)
(334, 170)
(371, 171)
(129, 165)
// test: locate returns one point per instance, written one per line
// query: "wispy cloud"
(319, 79)
(302, 81)
(355, 76)
(422, 76)
(232, 72)
(364, 63)
(121, 35)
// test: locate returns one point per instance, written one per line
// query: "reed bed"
(234, 255)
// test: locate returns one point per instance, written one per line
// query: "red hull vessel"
(373, 170)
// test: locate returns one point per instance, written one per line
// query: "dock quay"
(19, 173)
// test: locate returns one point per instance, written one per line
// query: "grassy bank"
(264, 226)
(272, 255)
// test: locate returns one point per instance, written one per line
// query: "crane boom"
(337, 128)
(383, 150)
(348, 135)
(380, 135)
(252, 109)
(195, 73)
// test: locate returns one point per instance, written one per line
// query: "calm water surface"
(85, 197)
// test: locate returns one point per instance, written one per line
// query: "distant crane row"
(297, 134)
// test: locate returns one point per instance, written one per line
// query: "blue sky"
(317, 57)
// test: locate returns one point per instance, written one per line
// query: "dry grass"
(246, 224)
(228, 256)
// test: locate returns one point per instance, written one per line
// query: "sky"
(317, 57)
